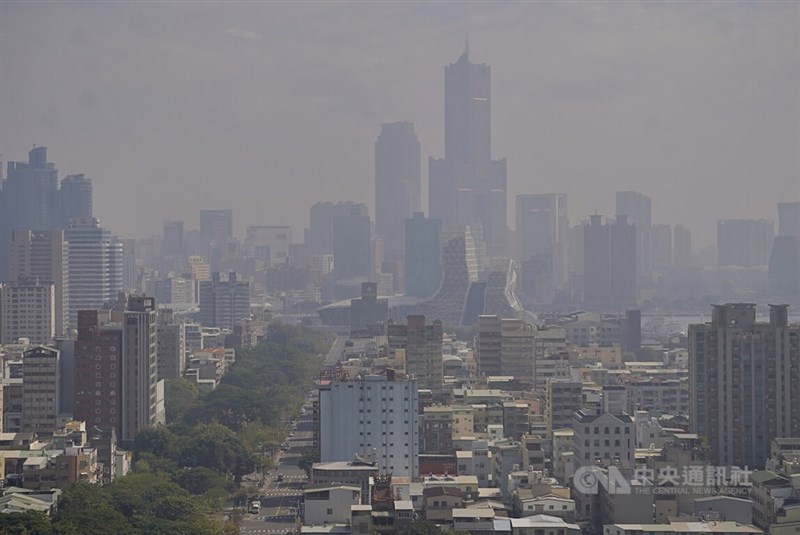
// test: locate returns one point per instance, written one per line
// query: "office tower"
(682, 247)
(42, 254)
(784, 260)
(130, 273)
(423, 349)
(467, 187)
(637, 207)
(744, 242)
(216, 227)
(373, 416)
(27, 310)
(172, 242)
(171, 335)
(142, 392)
(29, 200)
(661, 247)
(505, 346)
(744, 378)
(319, 235)
(397, 183)
(224, 301)
(423, 268)
(542, 228)
(368, 313)
(99, 371)
(459, 272)
(631, 332)
(40, 379)
(95, 266)
(609, 260)
(269, 243)
(352, 244)
(75, 198)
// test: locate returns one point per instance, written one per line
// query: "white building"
(606, 439)
(375, 415)
(329, 504)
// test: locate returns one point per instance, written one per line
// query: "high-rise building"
(29, 200)
(682, 247)
(40, 381)
(27, 310)
(638, 209)
(373, 417)
(352, 245)
(397, 183)
(744, 242)
(368, 313)
(142, 392)
(171, 334)
(269, 243)
(224, 301)
(423, 349)
(423, 267)
(42, 254)
(467, 187)
(173, 242)
(542, 229)
(609, 260)
(75, 198)
(505, 346)
(99, 371)
(95, 267)
(784, 260)
(563, 400)
(319, 234)
(744, 378)
(661, 247)
(216, 227)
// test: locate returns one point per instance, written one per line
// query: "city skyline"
(585, 103)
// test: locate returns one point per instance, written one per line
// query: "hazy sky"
(269, 107)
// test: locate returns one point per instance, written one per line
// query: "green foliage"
(87, 509)
(30, 523)
(307, 459)
(180, 396)
(200, 480)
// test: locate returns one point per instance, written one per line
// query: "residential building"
(743, 382)
(505, 346)
(224, 301)
(27, 310)
(171, 335)
(606, 439)
(681, 247)
(638, 210)
(682, 528)
(423, 350)
(610, 265)
(269, 243)
(375, 415)
(43, 254)
(329, 504)
(744, 242)
(564, 399)
(40, 382)
(542, 226)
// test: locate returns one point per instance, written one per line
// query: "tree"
(86, 509)
(307, 460)
(29, 523)
(180, 396)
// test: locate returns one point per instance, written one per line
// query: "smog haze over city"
(267, 107)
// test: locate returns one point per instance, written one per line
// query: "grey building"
(423, 349)
(397, 183)
(609, 260)
(75, 198)
(423, 262)
(173, 238)
(784, 260)
(681, 247)
(352, 246)
(638, 209)
(744, 242)
(467, 187)
(542, 228)
(744, 378)
(368, 312)
(224, 301)
(40, 383)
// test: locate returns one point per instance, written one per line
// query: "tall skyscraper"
(75, 198)
(467, 187)
(352, 244)
(609, 263)
(638, 208)
(661, 246)
(173, 243)
(29, 200)
(319, 234)
(423, 262)
(397, 183)
(784, 260)
(682, 247)
(216, 226)
(42, 254)
(744, 378)
(542, 228)
(96, 266)
(744, 242)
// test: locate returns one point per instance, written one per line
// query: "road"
(280, 500)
